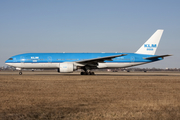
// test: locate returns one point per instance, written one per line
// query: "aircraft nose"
(10, 64)
(7, 62)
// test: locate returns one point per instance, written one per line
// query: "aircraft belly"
(36, 65)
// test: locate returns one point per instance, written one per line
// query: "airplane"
(69, 62)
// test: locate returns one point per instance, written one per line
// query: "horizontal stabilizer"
(155, 57)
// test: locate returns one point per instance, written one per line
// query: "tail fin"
(150, 46)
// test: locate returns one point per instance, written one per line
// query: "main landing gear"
(87, 73)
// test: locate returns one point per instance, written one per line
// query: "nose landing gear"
(20, 72)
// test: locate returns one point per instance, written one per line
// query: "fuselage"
(52, 60)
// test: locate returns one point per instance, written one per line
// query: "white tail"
(150, 46)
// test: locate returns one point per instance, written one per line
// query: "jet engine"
(66, 67)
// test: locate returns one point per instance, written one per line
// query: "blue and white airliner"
(69, 62)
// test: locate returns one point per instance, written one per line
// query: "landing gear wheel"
(92, 73)
(82, 73)
(20, 73)
(87, 73)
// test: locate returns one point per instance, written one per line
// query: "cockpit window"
(10, 59)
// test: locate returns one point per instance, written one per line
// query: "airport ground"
(106, 95)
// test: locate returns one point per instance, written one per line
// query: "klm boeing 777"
(69, 62)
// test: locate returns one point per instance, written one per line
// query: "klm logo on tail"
(150, 47)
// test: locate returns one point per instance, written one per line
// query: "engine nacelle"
(67, 67)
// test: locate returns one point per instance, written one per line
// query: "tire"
(91, 73)
(20, 73)
(87, 73)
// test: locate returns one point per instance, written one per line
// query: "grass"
(89, 97)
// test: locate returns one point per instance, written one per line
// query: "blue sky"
(89, 26)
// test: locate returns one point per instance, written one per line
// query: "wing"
(100, 59)
(155, 57)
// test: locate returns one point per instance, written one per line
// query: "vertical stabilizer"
(150, 46)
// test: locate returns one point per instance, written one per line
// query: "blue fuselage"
(73, 57)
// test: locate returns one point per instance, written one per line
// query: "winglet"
(150, 46)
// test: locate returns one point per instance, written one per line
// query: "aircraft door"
(132, 59)
(49, 59)
(22, 60)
